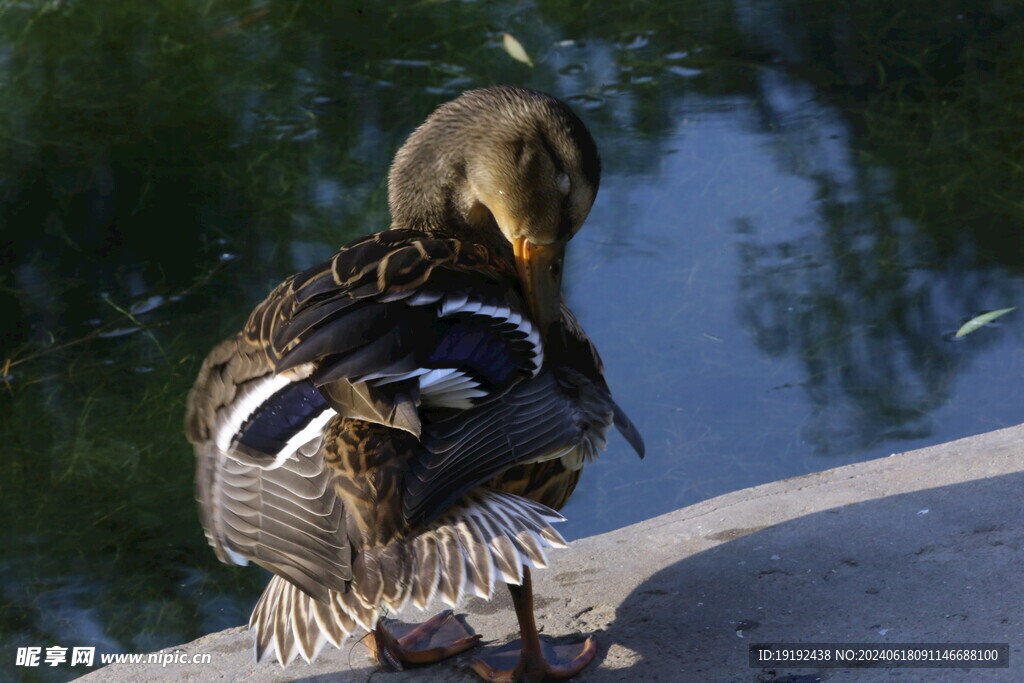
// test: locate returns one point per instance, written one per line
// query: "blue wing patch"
(480, 348)
(282, 416)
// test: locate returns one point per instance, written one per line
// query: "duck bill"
(540, 271)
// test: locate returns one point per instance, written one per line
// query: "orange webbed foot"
(555, 661)
(437, 638)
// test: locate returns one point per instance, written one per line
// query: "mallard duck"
(403, 421)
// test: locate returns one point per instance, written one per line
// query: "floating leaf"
(981, 320)
(147, 305)
(515, 49)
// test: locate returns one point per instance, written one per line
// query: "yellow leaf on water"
(981, 320)
(515, 49)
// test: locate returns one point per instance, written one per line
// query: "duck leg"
(438, 638)
(538, 659)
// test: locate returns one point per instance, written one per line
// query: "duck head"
(507, 167)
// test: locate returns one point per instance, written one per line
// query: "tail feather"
(396, 571)
(479, 566)
(333, 631)
(342, 619)
(530, 549)
(489, 536)
(261, 620)
(284, 640)
(507, 560)
(451, 583)
(308, 635)
(351, 602)
(427, 569)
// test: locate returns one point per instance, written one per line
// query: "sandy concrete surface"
(924, 546)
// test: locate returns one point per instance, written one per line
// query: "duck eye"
(564, 184)
(555, 269)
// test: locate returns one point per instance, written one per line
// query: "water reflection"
(797, 208)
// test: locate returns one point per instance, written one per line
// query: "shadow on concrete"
(939, 565)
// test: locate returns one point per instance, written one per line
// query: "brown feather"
(453, 567)
(479, 567)
(307, 634)
(427, 568)
(284, 643)
(329, 625)
(340, 614)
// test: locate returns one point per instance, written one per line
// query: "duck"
(402, 422)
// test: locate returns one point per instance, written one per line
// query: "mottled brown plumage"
(400, 422)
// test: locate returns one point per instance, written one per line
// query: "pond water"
(799, 208)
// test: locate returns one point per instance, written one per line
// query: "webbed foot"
(437, 638)
(511, 664)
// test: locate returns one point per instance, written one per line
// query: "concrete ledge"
(923, 546)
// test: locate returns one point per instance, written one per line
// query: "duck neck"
(427, 186)
(428, 191)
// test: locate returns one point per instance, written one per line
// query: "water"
(798, 209)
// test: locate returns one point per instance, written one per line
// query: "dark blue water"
(799, 207)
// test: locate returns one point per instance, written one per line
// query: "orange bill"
(540, 271)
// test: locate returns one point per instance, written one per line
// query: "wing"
(392, 322)
(565, 413)
(576, 353)
(287, 519)
(462, 450)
